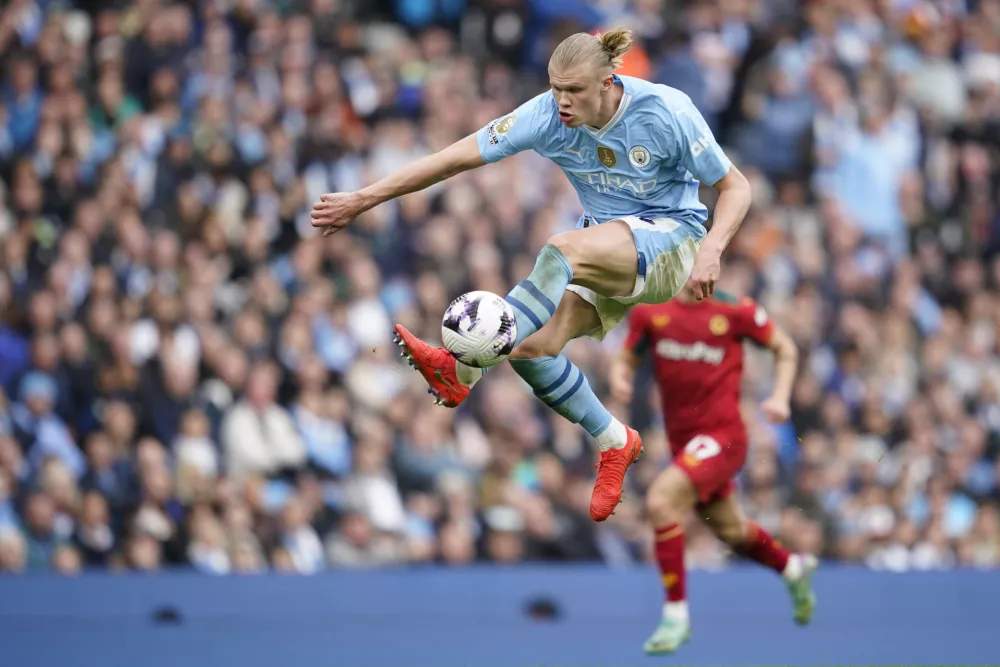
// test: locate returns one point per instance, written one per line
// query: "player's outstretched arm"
(786, 359)
(336, 210)
(731, 208)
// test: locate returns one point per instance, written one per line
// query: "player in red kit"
(697, 354)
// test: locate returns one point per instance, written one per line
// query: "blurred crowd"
(192, 377)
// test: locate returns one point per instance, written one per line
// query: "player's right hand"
(705, 273)
(335, 210)
(621, 382)
(776, 410)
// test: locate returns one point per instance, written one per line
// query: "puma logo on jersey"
(578, 154)
(675, 351)
(699, 145)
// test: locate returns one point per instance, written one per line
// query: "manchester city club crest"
(638, 156)
(607, 156)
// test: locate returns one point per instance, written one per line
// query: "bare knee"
(659, 507)
(571, 246)
(589, 256)
(669, 497)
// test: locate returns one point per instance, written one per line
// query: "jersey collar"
(622, 107)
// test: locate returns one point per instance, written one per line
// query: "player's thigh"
(603, 257)
(670, 495)
(574, 317)
(711, 460)
(724, 516)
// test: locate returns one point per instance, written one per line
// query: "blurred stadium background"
(192, 380)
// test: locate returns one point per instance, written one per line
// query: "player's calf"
(758, 545)
(668, 500)
(562, 386)
(726, 521)
(733, 534)
(748, 539)
(548, 341)
(753, 542)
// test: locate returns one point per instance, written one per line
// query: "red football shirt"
(697, 354)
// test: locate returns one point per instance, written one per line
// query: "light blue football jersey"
(647, 161)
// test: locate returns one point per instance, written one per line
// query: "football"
(479, 329)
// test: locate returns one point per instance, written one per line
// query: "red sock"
(670, 556)
(761, 547)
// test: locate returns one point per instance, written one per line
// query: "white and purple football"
(479, 329)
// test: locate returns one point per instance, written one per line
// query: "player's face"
(578, 94)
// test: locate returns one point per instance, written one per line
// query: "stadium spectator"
(191, 377)
(258, 435)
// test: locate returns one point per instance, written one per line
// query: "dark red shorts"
(712, 460)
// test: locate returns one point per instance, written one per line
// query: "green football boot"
(800, 589)
(668, 636)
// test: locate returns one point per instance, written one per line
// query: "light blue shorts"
(666, 249)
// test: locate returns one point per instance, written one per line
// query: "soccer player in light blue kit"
(635, 152)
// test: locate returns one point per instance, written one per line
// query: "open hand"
(335, 210)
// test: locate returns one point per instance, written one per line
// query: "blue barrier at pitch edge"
(476, 618)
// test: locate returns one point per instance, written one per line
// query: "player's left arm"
(704, 158)
(777, 407)
(624, 366)
(753, 323)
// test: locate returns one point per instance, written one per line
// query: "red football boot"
(436, 365)
(611, 476)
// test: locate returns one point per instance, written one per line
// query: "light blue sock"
(535, 298)
(533, 301)
(564, 388)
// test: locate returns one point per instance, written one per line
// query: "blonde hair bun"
(600, 50)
